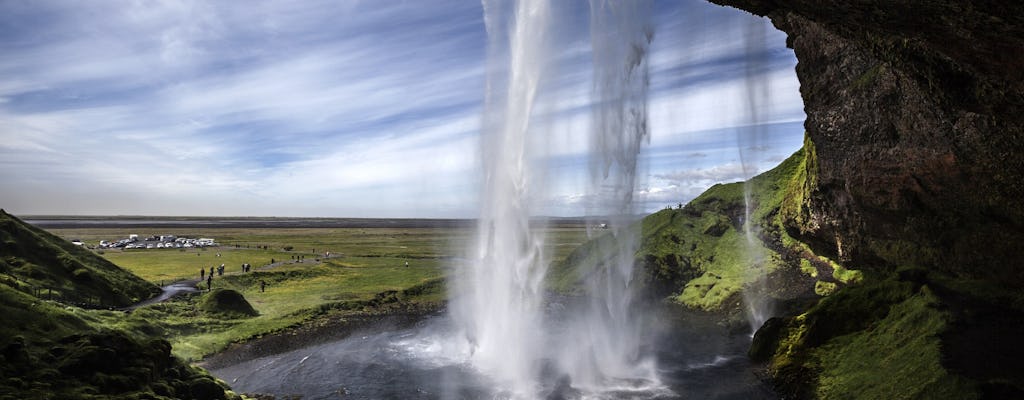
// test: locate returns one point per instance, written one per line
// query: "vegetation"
(898, 333)
(170, 265)
(366, 274)
(904, 347)
(47, 266)
(698, 255)
(50, 349)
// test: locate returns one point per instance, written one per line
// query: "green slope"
(899, 332)
(698, 255)
(51, 267)
(51, 349)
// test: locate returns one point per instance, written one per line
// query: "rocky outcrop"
(916, 110)
(913, 174)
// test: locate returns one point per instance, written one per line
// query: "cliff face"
(916, 110)
(913, 174)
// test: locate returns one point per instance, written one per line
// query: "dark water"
(696, 360)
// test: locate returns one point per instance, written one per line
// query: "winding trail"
(168, 292)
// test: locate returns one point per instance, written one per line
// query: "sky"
(333, 108)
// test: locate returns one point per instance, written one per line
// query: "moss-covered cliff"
(916, 109)
(904, 206)
(915, 112)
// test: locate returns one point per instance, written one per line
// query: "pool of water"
(695, 359)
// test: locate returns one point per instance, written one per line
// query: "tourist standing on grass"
(263, 285)
(202, 273)
(209, 283)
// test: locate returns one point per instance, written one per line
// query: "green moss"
(726, 270)
(697, 255)
(899, 358)
(807, 268)
(822, 288)
(846, 276)
(793, 207)
(902, 252)
(56, 351)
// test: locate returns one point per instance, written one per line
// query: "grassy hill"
(48, 266)
(900, 332)
(698, 255)
(50, 348)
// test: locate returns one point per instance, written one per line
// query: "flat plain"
(318, 273)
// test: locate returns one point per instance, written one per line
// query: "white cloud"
(319, 108)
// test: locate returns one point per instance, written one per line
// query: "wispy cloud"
(320, 107)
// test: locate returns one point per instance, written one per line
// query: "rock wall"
(916, 111)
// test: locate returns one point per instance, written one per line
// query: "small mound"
(227, 301)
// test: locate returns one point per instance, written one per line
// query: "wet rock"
(766, 339)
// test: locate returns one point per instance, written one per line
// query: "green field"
(365, 274)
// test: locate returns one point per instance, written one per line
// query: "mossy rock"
(205, 388)
(762, 347)
(227, 302)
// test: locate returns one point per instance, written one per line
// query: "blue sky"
(348, 108)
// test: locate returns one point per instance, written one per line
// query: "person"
(209, 283)
(211, 271)
(407, 264)
(263, 286)
(202, 273)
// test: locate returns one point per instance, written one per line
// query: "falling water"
(605, 348)
(750, 138)
(499, 299)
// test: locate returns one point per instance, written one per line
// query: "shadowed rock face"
(916, 110)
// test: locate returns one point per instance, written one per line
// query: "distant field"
(358, 246)
(365, 262)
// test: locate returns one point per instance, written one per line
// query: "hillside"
(50, 267)
(52, 349)
(906, 206)
(698, 255)
(916, 114)
(906, 333)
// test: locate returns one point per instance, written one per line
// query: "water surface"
(696, 359)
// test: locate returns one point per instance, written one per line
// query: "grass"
(366, 274)
(169, 265)
(50, 350)
(898, 358)
(40, 261)
(698, 255)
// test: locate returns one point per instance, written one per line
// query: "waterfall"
(757, 99)
(604, 348)
(498, 302)
(498, 299)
